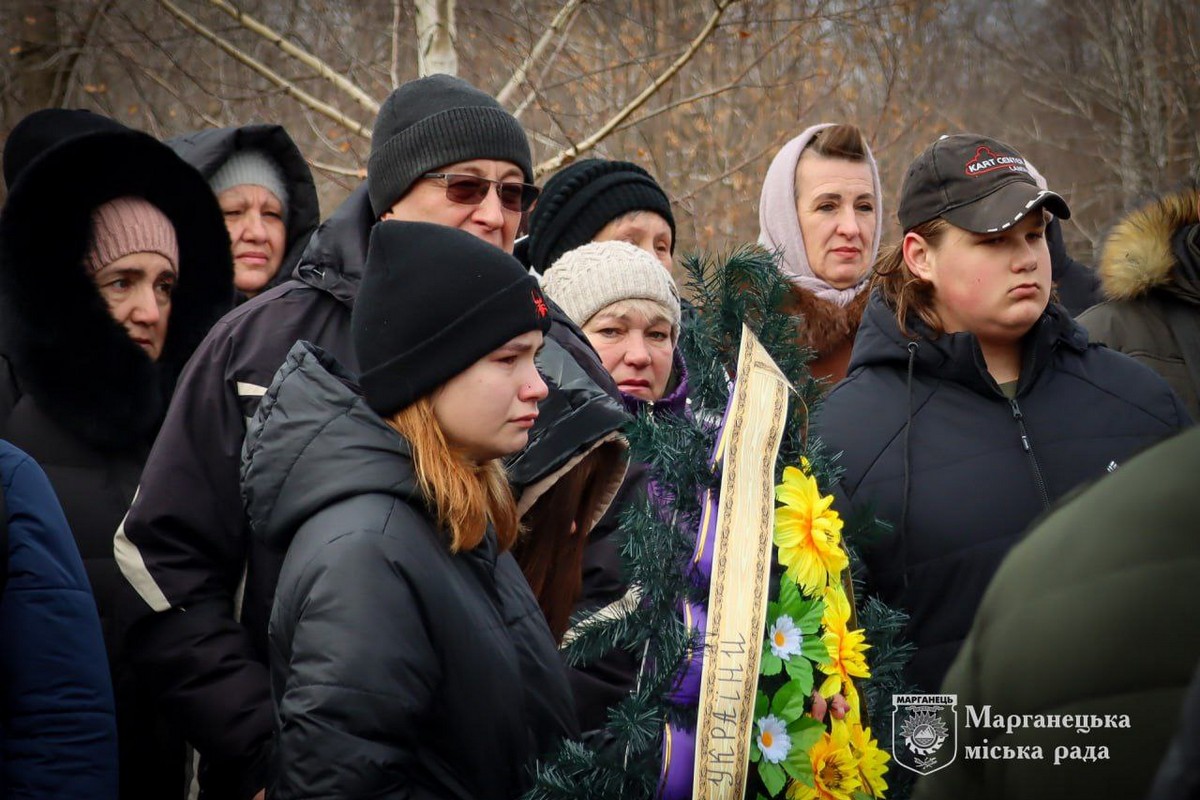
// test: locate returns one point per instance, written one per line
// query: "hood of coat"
(208, 150)
(1138, 254)
(336, 254)
(578, 420)
(957, 356)
(69, 354)
(313, 442)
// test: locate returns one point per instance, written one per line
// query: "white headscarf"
(779, 226)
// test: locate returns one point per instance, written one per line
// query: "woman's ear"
(918, 255)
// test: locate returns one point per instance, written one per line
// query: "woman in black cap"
(973, 402)
(408, 655)
(596, 200)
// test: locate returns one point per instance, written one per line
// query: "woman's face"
(254, 218)
(644, 229)
(486, 411)
(836, 208)
(994, 285)
(635, 349)
(137, 288)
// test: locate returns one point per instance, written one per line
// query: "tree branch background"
(1102, 95)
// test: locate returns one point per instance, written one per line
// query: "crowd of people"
(298, 506)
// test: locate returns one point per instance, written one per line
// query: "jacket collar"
(337, 253)
(957, 357)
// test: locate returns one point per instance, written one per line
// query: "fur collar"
(1137, 255)
(68, 353)
(826, 326)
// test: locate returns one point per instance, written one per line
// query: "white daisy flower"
(773, 739)
(785, 638)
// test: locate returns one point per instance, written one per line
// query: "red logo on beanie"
(539, 304)
(986, 161)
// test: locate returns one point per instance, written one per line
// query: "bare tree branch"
(164, 84)
(349, 172)
(573, 152)
(86, 36)
(289, 88)
(304, 57)
(564, 15)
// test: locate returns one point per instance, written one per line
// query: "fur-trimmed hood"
(1138, 254)
(68, 352)
(208, 150)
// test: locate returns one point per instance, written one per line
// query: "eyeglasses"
(470, 190)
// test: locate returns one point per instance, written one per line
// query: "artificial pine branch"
(623, 760)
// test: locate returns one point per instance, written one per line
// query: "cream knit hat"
(589, 278)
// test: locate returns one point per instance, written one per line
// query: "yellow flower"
(808, 532)
(835, 769)
(847, 648)
(872, 761)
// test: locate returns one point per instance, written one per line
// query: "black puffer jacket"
(90, 399)
(960, 470)
(204, 650)
(398, 669)
(208, 150)
(185, 543)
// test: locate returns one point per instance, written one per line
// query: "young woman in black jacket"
(973, 402)
(409, 657)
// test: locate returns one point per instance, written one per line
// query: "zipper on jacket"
(1028, 447)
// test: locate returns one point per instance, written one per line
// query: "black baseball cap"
(976, 183)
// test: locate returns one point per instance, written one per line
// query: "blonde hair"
(463, 495)
(652, 310)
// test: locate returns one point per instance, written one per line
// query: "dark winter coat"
(90, 399)
(1178, 777)
(188, 553)
(577, 422)
(1077, 284)
(960, 470)
(398, 669)
(58, 732)
(208, 150)
(1150, 267)
(602, 684)
(1093, 613)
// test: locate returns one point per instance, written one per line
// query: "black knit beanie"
(433, 301)
(584, 197)
(432, 122)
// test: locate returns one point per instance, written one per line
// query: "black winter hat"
(581, 199)
(434, 300)
(43, 130)
(434, 121)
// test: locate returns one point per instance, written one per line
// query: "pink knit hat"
(130, 225)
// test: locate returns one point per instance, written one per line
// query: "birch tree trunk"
(436, 37)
